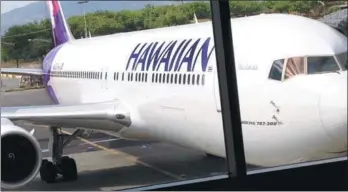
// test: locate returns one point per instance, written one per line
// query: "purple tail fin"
(60, 30)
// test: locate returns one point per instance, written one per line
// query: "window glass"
(342, 59)
(277, 70)
(321, 65)
(294, 66)
(141, 134)
(164, 77)
(293, 108)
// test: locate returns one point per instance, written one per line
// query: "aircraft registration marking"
(260, 123)
(58, 66)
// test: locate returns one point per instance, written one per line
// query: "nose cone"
(333, 110)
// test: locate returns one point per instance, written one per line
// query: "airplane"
(162, 85)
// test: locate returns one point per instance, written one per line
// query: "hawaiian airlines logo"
(184, 55)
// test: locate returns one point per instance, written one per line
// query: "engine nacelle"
(20, 156)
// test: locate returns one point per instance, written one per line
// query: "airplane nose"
(333, 110)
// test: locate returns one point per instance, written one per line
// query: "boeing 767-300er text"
(162, 85)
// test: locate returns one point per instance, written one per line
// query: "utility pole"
(84, 16)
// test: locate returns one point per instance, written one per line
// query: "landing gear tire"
(62, 165)
(48, 171)
(68, 168)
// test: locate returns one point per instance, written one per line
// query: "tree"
(108, 22)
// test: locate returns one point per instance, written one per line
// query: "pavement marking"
(84, 143)
(45, 150)
(128, 156)
(101, 141)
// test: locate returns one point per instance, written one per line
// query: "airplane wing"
(113, 115)
(23, 71)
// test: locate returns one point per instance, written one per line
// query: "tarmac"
(109, 163)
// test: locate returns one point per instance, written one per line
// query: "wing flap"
(23, 71)
(98, 116)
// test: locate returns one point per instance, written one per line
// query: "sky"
(10, 5)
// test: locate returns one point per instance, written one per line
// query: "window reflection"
(294, 67)
(322, 65)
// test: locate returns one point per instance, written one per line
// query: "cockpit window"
(321, 65)
(342, 59)
(276, 70)
(294, 67)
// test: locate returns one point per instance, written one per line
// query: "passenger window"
(168, 78)
(160, 78)
(171, 78)
(188, 79)
(145, 77)
(122, 76)
(203, 76)
(294, 67)
(197, 80)
(184, 79)
(175, 78)
(106, 75)
(277, 70)
(321, 65)
(193, 79)
(156, 77)
(179, 79)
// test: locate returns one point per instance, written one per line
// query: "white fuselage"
(190, 114)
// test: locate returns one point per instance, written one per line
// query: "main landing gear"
(62, 165)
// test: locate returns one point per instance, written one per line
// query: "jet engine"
(20, 156)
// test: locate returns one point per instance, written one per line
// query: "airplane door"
(104, 79)
(104, 83)
(217, 91)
